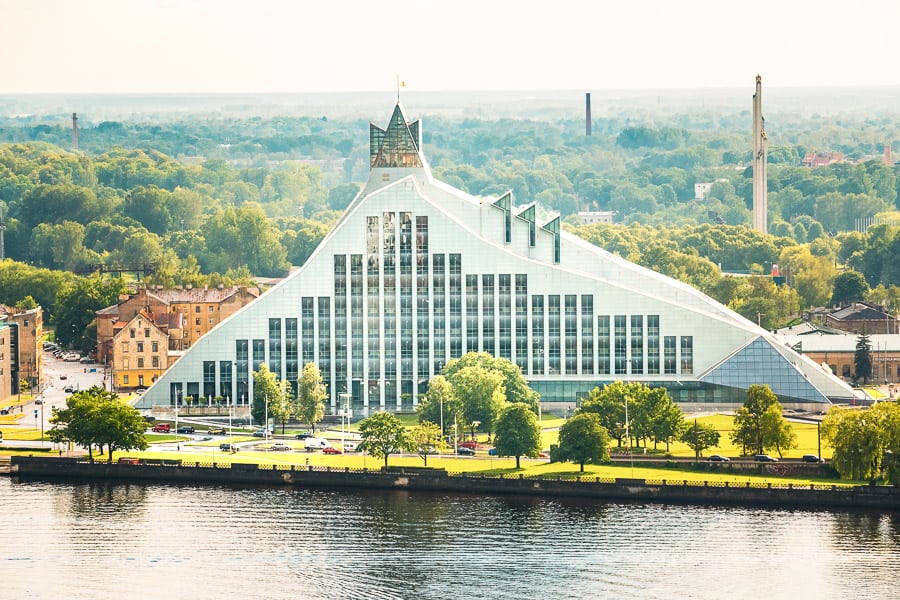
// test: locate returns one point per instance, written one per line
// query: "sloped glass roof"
(759, 362)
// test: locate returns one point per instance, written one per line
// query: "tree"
(759, 424)
(97, 417)
(582, 439)
(273, 394)
(422, 438)
(515, 387)
(382, 435)
(848, 287)
(311, 396)
(862, 359)
(699, 437)
(440, 401)
(481, 394)
(865, 442)
(517, 432)
(609, 405)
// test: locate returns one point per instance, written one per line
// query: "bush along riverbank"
(438, 480)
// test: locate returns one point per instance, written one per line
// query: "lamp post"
(345, 408)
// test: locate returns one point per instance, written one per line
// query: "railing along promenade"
(674, 491)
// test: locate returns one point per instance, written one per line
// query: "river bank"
(439, 480)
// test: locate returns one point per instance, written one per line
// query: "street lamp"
(345, 408)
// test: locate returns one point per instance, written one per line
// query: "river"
(67, 541)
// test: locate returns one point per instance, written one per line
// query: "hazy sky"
(345, 45)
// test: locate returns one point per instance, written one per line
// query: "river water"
(115, 541)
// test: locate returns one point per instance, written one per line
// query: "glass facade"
(603, 345)
(275, 347)
(472, 313)
(620, 337)
(456, 328)
(537, 335)
(571, 310)
(439, 313)
(522, 322)
(487, 313)
(637, 344)
(554, 336)
(652, 344)
(504, 307)
(587, 334)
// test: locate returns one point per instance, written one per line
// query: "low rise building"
(30, 323)
(9, 362)
(838, 353)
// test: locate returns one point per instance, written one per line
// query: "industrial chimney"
(74, 131)
(587, 114)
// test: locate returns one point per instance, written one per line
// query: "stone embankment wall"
(438, 480)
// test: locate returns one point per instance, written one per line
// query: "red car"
(330, 450)
(162, 428)
(470, 444)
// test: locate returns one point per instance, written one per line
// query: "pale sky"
(256, 46)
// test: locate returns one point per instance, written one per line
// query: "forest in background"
(210, 199)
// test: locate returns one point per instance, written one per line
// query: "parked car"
(140, 391)
(471, 444)
(38, 401)
(718, 458)
(260, 433)
(186, 429)
(811, 458)
(303, 436)
(68, 389)
(465, 451)
(330, 450)
(162, 428)
(63, 377)
(216, 431)
(764, 458)
(129, 460)
(280, 447)
(226, 447)
(4, 411)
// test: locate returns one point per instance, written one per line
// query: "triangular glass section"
(528, 215)
(398, 147)
(553, 227)
(504, 203)
(759, 361)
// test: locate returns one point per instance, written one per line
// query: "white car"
(280, 447)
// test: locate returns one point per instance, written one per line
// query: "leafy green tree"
(583, 439)
(609, 405)
(516, 388)
(699, 437)
(440, 400)
(382, 435)
(865, 442)
(862, 359)
(77, 305)
(517, 432)
(667, 419)
(849, 286)
(272, 393)
(311, 394)
(757, 429)
(481, 394)
(777, 432)
(423, 438)
(96, 417)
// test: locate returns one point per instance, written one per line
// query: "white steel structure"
(417, 273)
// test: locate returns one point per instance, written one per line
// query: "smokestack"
(888, 157)
(587, 114)
(760, 160)
(74, 131)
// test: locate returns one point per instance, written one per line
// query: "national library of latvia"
(417, 273)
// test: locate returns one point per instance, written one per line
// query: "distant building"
(702, 190)
(30, 324)
(861, 318)
(181, 316)
(888, 158)
(822, 159)
(9, 363)
(597, 216)
(838, 352)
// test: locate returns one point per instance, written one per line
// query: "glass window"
(653, 344)
(687, 354)
(621, 339)
(603, 346)
(554, 338)
(504, 304)
(487, 316)
(669, 360)
(472, 313)
(537, 335)
(637, 344)
(521, 339)
(587, 334)
(571, 309)
(140, 346)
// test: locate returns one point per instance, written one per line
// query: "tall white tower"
(760, 158)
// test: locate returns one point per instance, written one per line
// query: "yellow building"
(30, 323)
(140, 353)
(8, 361)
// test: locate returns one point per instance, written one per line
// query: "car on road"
(4, 411)
(186, 429)
(216, 431)
(260, 433)
(63, 377)
(471, 444)
(162, 428)
(38, 401)
(718, 458)
(303, 436)
(280, 447)
(811, 458)
(140, 391)
(330, 450)
(226, 447)
(764, 458)
(350, 446)
(465, 451)
(68, 389)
